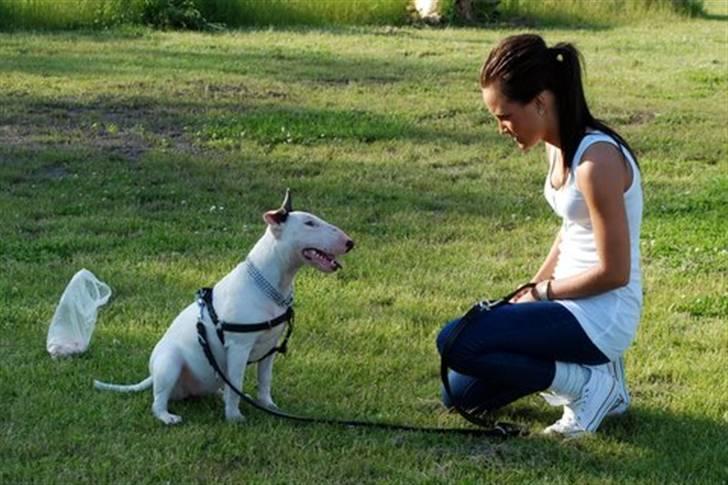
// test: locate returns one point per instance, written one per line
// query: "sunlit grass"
(123, 152)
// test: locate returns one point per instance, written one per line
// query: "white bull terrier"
(252, 292)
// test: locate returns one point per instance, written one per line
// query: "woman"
(567, 334)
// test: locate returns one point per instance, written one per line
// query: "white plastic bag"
(75, 317)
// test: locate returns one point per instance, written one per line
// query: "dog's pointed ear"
(275, 218)
(278, 217)
(287, 205)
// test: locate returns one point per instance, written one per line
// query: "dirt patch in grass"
(203, 89)
(346, 81)
(162, 114)
(640, 117)
(124, 128)
(630, 118)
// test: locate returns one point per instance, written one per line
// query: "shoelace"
(579, 403)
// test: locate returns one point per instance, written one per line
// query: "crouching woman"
(566, 336)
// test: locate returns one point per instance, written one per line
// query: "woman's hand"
(523, 296)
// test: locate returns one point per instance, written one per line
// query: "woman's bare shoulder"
(602, 163)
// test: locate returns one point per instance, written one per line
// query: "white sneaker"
(555, 399)
(586, 413)
(564, 424)
(616, 370)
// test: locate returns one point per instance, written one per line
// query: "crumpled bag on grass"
(75, 317)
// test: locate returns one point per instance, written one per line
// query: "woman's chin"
(524, 147)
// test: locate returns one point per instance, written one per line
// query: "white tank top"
(609, 319)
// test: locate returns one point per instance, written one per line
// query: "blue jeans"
(510, 352)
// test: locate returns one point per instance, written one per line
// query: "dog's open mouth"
(321, 259)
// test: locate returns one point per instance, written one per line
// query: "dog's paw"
(169, 419)
(268, 403)
(234, 416)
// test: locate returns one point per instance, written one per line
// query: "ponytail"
(572, 110)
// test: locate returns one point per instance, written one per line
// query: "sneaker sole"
(620, 407)
(606, 407)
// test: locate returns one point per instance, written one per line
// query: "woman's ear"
(540, 101)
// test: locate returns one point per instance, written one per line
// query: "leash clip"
(487, 305)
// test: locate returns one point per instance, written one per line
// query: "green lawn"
(149, 157)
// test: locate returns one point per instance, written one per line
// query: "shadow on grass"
(129, 126)
(715, 17)
(646, 443)
(205, 59)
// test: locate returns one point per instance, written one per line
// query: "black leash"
(483, 306)
(489, 429)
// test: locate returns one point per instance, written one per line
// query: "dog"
(178, 367)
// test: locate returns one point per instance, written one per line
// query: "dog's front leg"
(237, 358)
(265, 376)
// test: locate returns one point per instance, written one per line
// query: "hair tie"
(559, 57)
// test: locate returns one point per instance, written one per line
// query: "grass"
(148, 158)
(75, 14)
(600, 13)
(68, 14)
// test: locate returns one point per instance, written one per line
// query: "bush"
(464, 12)
(173, 14)
(305, 12)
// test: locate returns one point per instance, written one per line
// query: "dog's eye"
(310, 223)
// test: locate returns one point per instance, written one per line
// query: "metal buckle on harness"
(201, 304)
(201, 320)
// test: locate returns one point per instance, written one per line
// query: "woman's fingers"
(518, 296)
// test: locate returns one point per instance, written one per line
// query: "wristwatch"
(542, 289)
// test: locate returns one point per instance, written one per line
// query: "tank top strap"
(588, 140)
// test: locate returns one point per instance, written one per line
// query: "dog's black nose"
(349, 245)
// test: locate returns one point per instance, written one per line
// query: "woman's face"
(522, 122)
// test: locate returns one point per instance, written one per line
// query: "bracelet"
(542, 290)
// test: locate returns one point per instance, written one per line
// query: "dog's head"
(310, 238)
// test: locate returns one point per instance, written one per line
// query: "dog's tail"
(140, 386)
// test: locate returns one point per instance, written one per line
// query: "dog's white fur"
(178, 366)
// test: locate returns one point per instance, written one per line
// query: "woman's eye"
(310, 223)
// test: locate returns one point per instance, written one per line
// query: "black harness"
(489, 428)
(204, 300)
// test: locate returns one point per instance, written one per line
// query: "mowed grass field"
(149, 158)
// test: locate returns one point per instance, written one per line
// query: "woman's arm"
(601, 178)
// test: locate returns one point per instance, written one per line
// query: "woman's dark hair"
(523, 66)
